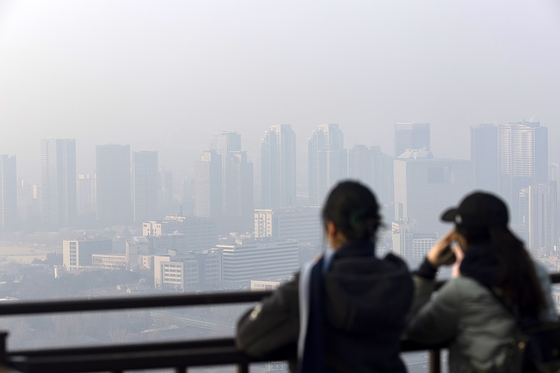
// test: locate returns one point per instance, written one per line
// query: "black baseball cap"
(478, 208)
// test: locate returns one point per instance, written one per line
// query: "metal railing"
(125, 357)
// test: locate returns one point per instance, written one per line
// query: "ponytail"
(517, 278)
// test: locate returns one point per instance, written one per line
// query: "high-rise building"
(411, 136)
(29, 209)
(327, 161)
(485, 157)
(278, 167)
(223, 144)
(425, 186)
(373, 168)
(58, 182)
(239, 194)
(208, 186)
(523, 157)
(114, 192)
(145, 174)
(165, 192)
(539, 216)
(86, 194)
(224, 185)
(187, 196)
(8, 192)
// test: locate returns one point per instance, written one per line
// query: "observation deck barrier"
(179, 356)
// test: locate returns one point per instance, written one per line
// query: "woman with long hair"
(497, 288)
(344, 312)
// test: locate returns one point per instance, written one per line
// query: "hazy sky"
(165, 75)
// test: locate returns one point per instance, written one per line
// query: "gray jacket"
(465, 313)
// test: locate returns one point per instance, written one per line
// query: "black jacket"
(366, 301)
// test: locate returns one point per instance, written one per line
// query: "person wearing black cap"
(344, 312)
(496, 275)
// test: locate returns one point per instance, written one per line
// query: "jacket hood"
(365, 294)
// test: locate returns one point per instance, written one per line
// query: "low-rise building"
(107, 261)
(77, 254)
(176, 272)
(266, 260)
(302, 224)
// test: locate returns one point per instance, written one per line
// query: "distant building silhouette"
(327, 161)
(485, 157)
(224, 184)
(373, 168)
(278, 167)
(425, 186)
(145, 176)
(411, 136)
(208, 185)
(8, 192)
(188, 195)
(87, 194)
(165, 192)
(114, 192)
(523, 157)
(58, 182)
(29, 209)
(539, 216)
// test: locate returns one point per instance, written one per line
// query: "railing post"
(3, 346)
(435, 361)
(243, 368)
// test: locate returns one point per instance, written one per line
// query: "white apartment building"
(174, 272)
(293, 223)
(264, 260)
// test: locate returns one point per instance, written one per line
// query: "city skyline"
(185, 150)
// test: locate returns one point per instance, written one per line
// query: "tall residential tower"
(8, 192)
(145, 174)
(327, 161)
(114, 192)
(278, 167)
(58, 182)
(411, 136)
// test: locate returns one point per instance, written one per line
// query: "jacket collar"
(356, 248)
(481, 263)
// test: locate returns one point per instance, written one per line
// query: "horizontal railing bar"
(159, 301)
(107, 304)
(124, 348)
(149, 356)
(175, 345)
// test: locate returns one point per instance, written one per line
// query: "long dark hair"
(354, 210)
(518, 278)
